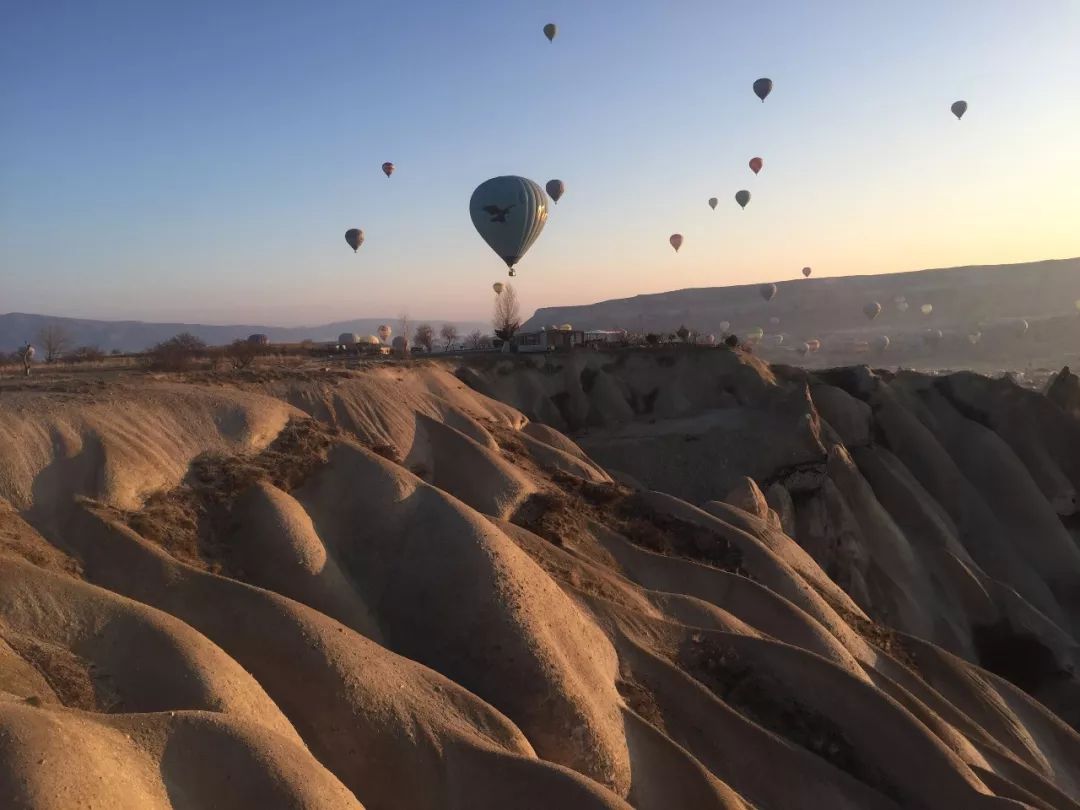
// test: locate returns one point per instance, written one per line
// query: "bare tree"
(507, 317)
(55, 340)
(404, 328)
(425, 336)
(449, 334)
(475, 340)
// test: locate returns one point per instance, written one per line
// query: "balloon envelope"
(926, 309)
(881, 342)
(550, 31)
(509, 213)
(676, 241)
(388, 168)
(497, 287)
(756, 164)
(774, 321)
(555, 189)
(768, 291)
(724, 325)
(355, 238)
(804, 349)
(806, 271)
(902, 306)
(384, 332)
(762, 88)
(958, 109)
(712, 203)
(742, 198)
(872, 310)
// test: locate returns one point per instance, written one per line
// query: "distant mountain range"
(16, 328)
(961, 297)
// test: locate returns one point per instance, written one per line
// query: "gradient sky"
(201, 160)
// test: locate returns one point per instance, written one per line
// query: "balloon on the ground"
(555, 189)
(768, 291)
(958, 109)
(355, 238)
(509, 212)
(550, 31)
(497, 287)
(742, 198)
(756, 164)
(872, 309)
(762, 88)
(384, 332)
(713, 203)
(388, 168)
(676, 241)
(806, 271)
(926, 309)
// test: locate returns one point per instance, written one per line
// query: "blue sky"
(201, 161)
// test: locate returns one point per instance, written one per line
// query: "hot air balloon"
(355, 238)
(555, 189)
(881, 342)
(384, 332)
(902, 306)
(974, 338)
(1021, 327)
(388, 168)
(712, 203)
(676, 241)
(509, 213)
(755, 334)
(958, 109)
(756, 164)
(774, 321)
(550, 31)
(926, 309)
(724, 326)
(400, 345)
(710, 340)
(803, 349)
(768, 291)
(742, 198)
(762, 88)
(872, 310)
(806, 271)
(497, 287)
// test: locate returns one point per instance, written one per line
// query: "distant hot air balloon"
(806, 271)
(804, 349)
(926, 309)
(755, 334)
(550, 31)
(566, 328)
(676, 241)
(756, 164)
(555, 189)
(355, 238)
(872, 310)
(1021, 327)
(881, 342)
(509, 213)
(762, 88)
(902, 306)
(710, 340)
(958, 109)
(497, 287)
(768, 291)
(724, 326)
(974, 338)
(384, 332)
(933, 336)
(774, 321)
(742, 198)
(712, 203)
(388, 168)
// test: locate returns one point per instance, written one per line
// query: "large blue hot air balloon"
(509, 213)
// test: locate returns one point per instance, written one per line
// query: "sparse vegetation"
(449, 334)
(177, 353)
(242, 353)
(478, 340)
(424, 337)
(54, 340)
(87, 354)
(507, 316)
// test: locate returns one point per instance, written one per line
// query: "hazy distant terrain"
(962, 297)
(16, 328)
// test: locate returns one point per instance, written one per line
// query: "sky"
(201, 161)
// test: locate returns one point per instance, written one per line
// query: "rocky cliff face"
(731, 586)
